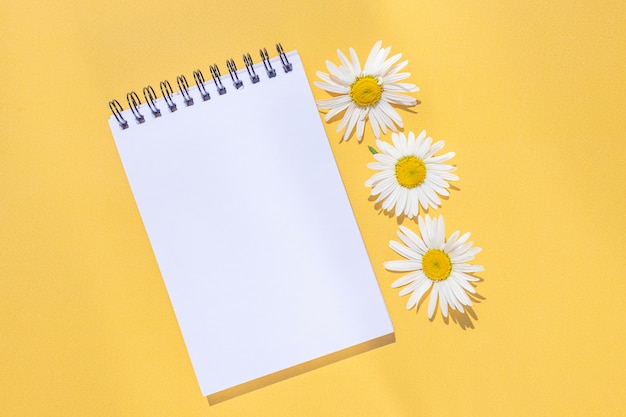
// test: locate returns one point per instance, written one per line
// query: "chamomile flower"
(434, 262)
(366, 93)
(410, 175)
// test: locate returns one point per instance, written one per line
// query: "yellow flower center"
(410, 171)
(436, 265)
(365, 91)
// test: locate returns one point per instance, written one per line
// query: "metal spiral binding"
(232, 70)
(271, 72)
(150, 96)
(197, 75)
(133, 103)
(166, 91)
(247, 59)
(183, 87)
(215, 73)
(116, 108)
(283, 58)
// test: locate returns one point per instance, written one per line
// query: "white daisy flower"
(410, 175)
(434, 262)
(366, 93)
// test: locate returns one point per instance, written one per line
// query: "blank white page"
(252, 229)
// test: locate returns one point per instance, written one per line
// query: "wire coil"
(166, 90)
(247, 60)
(183, 87)
(168, 95)
(232, 70)
(215, 74)
(197, 75)
(116, 109)
(133, 103)
(271, 72)
(150, 96)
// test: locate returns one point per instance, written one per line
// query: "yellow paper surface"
(532, 98)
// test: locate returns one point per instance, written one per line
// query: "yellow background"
(530, 95)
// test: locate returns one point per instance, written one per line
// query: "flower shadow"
(464, 320)
(408, 108)
(391, 213)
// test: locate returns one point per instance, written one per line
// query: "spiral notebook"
(250, 224)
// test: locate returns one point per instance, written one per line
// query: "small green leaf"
(372, 150)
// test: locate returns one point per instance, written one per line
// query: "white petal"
(423, 147)
(402, 250)
(360, 127)
(443, 298)
(391, 199)
(453, 302)
(434, 148)
(392, 70)
(389, 160)
(418, 293)
(463, 283)
(467, 256)
(389, 63)
(433, 301)
(356, 65)
(332, 67)
(385, 187)
(345, 62)
(433, 179)
(409, 288)
(402, 201)
(441, 233)
(370, 62)
(450, 243)
(406, 279)
(401, 87)
(333, 102)
(323, 76)
(412, 240)
(459, 250)
(399, 141)
(349, 119)
(463, 238)
(413, 202)
(374, 124)
(378, 177)
(332, 88)
(460, 295)
(441, 158)
(337, 109)
(410, 140)
(399, 99)
(469, 278)
(425, 225)
(403, 265)
(390, 112)
(391, 80)
(433, 200)
(384, 119)
(467, 268)
(389, 150)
